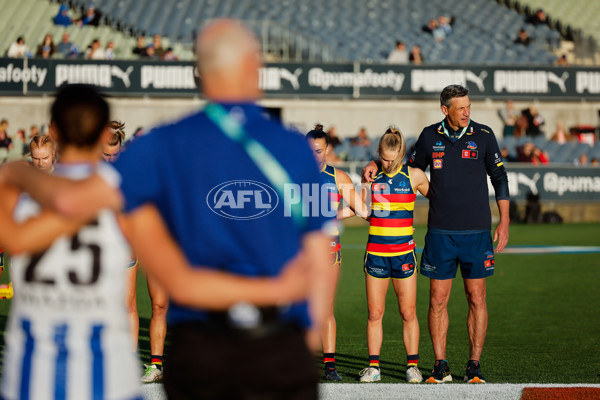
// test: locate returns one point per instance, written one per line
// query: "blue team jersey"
(215, 201)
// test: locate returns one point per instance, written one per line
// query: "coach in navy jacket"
(461, 154)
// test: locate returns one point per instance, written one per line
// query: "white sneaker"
(370, 374)
(413, 375)
(151, 374)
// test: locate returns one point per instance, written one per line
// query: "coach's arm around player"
(34, 234)
(203, 287)
(74, 202)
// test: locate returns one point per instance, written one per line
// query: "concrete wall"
(347, 115)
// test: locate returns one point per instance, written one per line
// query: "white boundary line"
(370, 391)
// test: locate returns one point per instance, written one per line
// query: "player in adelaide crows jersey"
(390, 252)
(337, 186)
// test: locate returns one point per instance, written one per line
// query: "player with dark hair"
(390, 253)
(461, 154)
(111, 148)
(68, 331)
(337, 186)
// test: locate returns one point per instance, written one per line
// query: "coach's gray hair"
(452, 91)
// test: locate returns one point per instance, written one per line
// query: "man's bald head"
(228, 61)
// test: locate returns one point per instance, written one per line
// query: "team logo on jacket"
(471, 145)
(242, 199)
(469, 154)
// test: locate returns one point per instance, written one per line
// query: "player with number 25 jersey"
(68, 334)
(68, 312)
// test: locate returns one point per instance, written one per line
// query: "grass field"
(544, 324)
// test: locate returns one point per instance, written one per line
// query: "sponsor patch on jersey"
(437, 164)
(438, 146)
(471, 145)
(437, 154)
(379, 187)
(469, 154)
(407, 267)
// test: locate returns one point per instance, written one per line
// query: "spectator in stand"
(361, 139)
(65, 45)
(74, 53)
(47, 48)
(431, 26)
(523, 37)
(150, 53)
(509, 116)
(399, 55)
(561, 136)
(95, 51)
(334, 140)
(169, 55)
(5, 140)
(506, 157)
(594, 162)
(528, 153)
(445, 24)
(534, 121)
(157, 43)
(140, 47)
(18, 49)
(92, 17)
(416, 57)
(582, 160)
(34, 131)
(20, 141)
(46, 52)
(62, 18)
(562, 61)
(539, 18)
(109, 52)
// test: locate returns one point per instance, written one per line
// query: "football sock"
(412, 361)
(329, 360)
(374, 361)
(156, 360)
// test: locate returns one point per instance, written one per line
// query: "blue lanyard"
(262, 157)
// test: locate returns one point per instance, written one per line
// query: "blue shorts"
(397, 267)
(132, 262)
(443, 253)
(336, 257)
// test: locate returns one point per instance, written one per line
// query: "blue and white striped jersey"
(68, 334)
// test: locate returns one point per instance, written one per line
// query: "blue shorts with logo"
(444, 251)
(396, 267)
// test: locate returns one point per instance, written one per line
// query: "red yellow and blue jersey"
(392, 206)
(333, 193)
